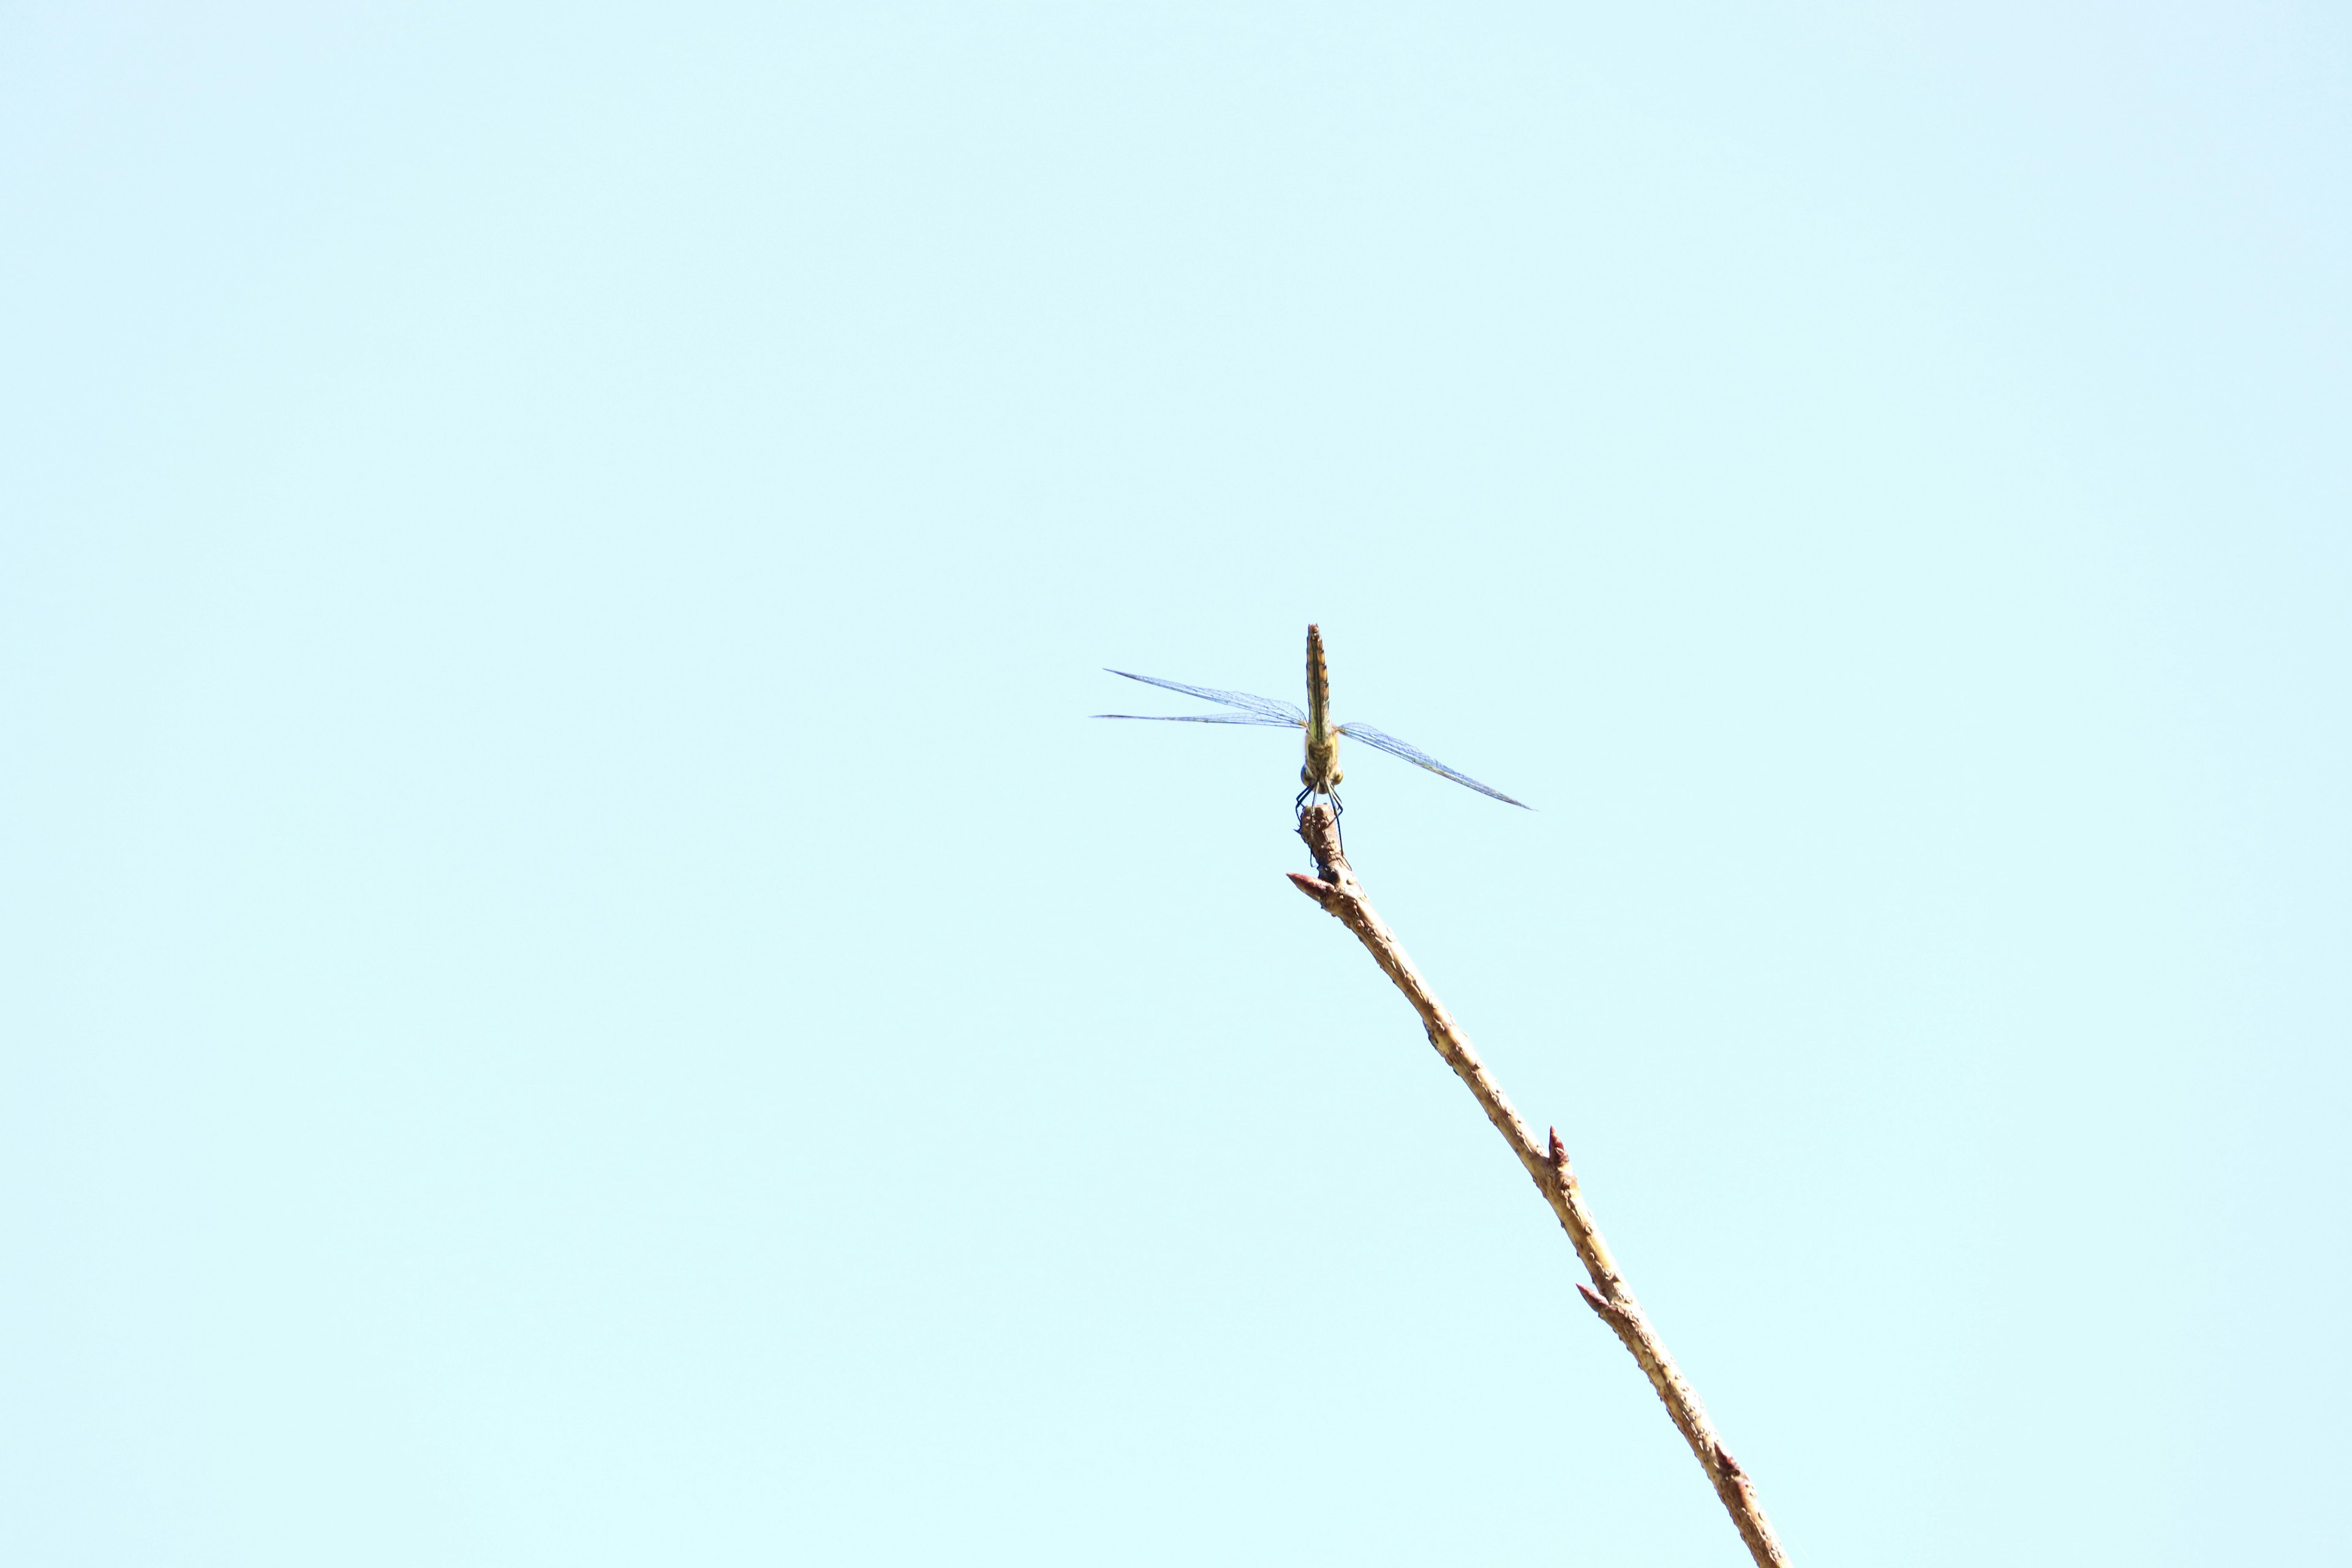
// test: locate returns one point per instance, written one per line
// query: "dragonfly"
(1321, 773)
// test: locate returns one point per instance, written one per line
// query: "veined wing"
(1266, 719)
(1261, 710)
(1380, 742)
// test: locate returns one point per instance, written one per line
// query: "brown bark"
(1336, 889)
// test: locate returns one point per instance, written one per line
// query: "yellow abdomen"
(1321, 772)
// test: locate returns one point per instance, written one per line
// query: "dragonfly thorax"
(1321, 772)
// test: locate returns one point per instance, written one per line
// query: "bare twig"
(1337, 889)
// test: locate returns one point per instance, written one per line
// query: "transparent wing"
(1379, 741)
(1265, 719)
(1266, 708)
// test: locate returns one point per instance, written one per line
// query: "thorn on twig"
(1320, 891)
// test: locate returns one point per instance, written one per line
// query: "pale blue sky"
(580, 989)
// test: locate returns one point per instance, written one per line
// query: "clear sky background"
(580, 989)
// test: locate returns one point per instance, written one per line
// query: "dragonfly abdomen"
(1321, 772)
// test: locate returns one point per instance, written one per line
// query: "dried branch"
(1337, 889)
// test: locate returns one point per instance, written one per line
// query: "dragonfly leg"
(1299, 806)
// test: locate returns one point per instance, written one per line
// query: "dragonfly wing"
(1267, 719)
(1380, 742)
(1265, 708)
